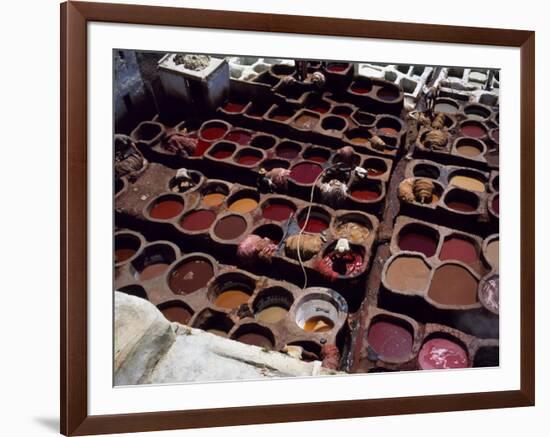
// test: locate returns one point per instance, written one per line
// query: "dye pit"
(282, 211)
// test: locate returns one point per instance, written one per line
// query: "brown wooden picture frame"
(75, 419)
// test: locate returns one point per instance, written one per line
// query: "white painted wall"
(29, 361)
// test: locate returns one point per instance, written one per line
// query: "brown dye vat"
(418, 239)
(248, 157)
(176, 313)
(342, 111)
(198, 220)
(390, 340)
(123, 254)
(408, 274)
(387, 94)
(317, 155)
(462, 201)
(213, 199)
(375, 167)
(272, 314)
(453, 285)
(244, 205)
(255, 339)
(468, 183)
(287, 150)
(365, 194)
(277, 211)
(230, 227)
(306, 121)
(190, 275)
(459, 249)
(318, 324)
(166, 209)
(440, 353)
(153, 271)
(230, 299)
(492, 252)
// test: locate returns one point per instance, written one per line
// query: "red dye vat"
(234, 107)
(496, 205)
(458, 249)
(336, 264)
(439, 353)
(166, 209)
(319, 108)
(277, 211)
(213, 132)
(248, 159)
(202, 146)
(418, 242)
(280, 117)
(198, 220)
(365, 194)
(313, 225)
(390, 341)
(472, 130)
(305, 173)
(222, 153)
(460, 206)
(239, 136)
(337, 68)
(360, 89)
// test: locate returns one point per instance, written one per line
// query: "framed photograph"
(272, 218)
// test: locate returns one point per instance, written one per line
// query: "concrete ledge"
(151, 350)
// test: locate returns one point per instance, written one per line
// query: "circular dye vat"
(263, 142)
(459, 249)
(306, 121)
(446, 107)
(277, 211)
(243, 205)
(318, 324)
(213, 199)
(222, 153)
(166, 208)
(453, 285)
(335, 264)
(317, 155)
(255, 339)
(198, 220)
(234, 107)
(202, 147)
(287, 150)
(417, 239)
(492, 253)
(408, 273)
(495, 204)
(230, 227)
(313, 225)
(375, 167)
(248, 157)
(469, 148)
(473, 130)
(461, 201)
(390, 341)
(153, 270)
(281, 115)
(333, 124)
(440, 353)
(230, 299)
(272, 314)
(176, 313)
(239, 136)
(468, 183)
(361, 87)
(359, 139)
(190, 275)
(305, 173)
(318, 106)
(337, 68)
(387, 94)
(365, 194)
(342, 111)
(475, 112)
(123, 254)
(389, 131)
(213, 131)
